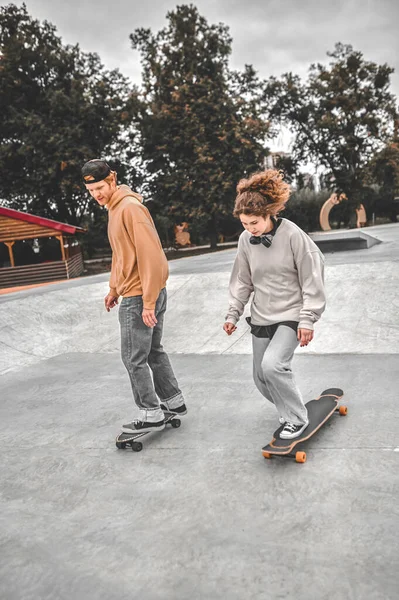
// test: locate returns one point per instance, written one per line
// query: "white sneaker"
(149, 420)
(142, 427)
(291, 431)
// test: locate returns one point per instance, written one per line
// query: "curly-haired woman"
(284, 268)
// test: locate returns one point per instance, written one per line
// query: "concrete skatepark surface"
(199, 513)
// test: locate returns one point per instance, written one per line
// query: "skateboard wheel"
(121, 445)
(267, 454)
(175, 423)
(300, 457)
(343, 410)
(137, 446)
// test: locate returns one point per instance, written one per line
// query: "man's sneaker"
(143, 426)
(291, 431)
(175, 410)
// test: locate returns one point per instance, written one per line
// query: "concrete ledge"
(336, 241)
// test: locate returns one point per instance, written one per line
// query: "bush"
(303, 208)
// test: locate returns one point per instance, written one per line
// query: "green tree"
(303, 208)
(60, 107)
(202, 126)
(341, 116)
(384, 171)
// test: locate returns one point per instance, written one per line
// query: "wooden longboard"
(319, 411)
(129, 439)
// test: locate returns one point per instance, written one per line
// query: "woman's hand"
(229, 328)
(305, 336)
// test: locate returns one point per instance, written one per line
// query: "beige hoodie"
(139, 265)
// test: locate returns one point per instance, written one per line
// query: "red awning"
(22, 216)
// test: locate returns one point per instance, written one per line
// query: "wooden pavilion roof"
(18, 225)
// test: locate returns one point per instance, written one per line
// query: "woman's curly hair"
(264, 193)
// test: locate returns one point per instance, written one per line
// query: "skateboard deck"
(319, 411)
(129, 439)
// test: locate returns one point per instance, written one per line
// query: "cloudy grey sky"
(275, 36)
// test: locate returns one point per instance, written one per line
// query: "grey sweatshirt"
(287, 279)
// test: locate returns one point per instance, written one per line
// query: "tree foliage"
(191, 132)
(60, 107)
(341, 116)
(384, 171)
(201, 125)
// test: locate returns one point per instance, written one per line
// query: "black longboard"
(129, 439)
(319, 411)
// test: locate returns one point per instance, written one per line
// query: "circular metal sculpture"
(361, 217)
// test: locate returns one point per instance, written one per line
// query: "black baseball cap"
(95, 170)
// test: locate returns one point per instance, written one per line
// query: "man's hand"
(305, 336)
(229, 328)
(149, 317)
(110, 301)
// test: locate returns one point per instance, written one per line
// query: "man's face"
(101, 191)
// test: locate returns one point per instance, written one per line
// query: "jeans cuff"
(175, 400)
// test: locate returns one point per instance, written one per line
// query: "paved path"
(198, 513)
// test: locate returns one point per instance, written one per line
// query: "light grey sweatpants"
(273, 374)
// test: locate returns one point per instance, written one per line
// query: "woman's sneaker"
(143, 426)
(291, 431)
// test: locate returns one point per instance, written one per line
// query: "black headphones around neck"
(267, 238)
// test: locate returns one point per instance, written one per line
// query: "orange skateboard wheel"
(300, 457)
(343, 410)
(267, 454)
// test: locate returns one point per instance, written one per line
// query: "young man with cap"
(139, 273)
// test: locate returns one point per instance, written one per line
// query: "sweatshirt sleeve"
(240, 287)
(311, 279)
(112, 279)
(151, 259)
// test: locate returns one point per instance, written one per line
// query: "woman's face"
(256, 225)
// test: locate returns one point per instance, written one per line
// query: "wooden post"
(10, 252)
(68, 249)
(60, 237)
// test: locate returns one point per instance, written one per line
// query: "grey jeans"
(273, 374)
(147, 363)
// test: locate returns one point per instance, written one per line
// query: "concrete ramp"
(41, 326)
(361, 317)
